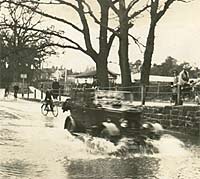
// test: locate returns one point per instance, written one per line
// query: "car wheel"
(70, 124)
(111, 134)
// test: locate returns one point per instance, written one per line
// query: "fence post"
(41, 93)
(35, 94)
(142, 93)
(59, 94)
(178, 94)
(131, 96)
(23, 92)
(158, 90)
(28, 92)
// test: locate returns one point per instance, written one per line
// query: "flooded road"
(33, 146)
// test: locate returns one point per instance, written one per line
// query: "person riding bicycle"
(49, 99)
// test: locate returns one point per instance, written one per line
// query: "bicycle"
(45, 109)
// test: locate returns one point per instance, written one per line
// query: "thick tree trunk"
(123, 47)
(102, 72)
(146, 67)
(101, 59)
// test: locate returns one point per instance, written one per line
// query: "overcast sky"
(177, 35)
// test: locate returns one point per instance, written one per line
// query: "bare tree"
(157, 10)
(126, 16)
(21, 48)
(84, 11)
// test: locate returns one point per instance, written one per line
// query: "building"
(90, 77)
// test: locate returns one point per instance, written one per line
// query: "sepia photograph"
(99, 89)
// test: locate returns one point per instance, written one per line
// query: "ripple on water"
(8, 137)
(18, 169)
(6, 115)
(110, 168)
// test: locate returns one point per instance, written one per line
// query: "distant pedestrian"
(185, 87)
(174, 87)
(95, 84)
(16, 89)
(6, 92)
(41, 86)
(85, 85)
(196, 89)
(197, 81)
(184, 76)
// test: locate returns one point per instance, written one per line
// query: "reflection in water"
(143, 168)
(49, 122)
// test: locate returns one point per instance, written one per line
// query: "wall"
(178, 118)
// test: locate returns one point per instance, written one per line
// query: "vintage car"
(107, 114)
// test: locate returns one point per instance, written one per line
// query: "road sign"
(23, 76)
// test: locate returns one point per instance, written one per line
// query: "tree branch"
(131, 4)
(86, 31)
(76, 45)
(50, 16)
(166, 6)
(135, 14)
(110, 41)
(137, 42)
(112, 5)
(97, 21)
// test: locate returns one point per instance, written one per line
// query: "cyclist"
(55, 87)
(49, 99)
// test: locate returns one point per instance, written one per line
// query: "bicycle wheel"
(44, 111)
(55, 111)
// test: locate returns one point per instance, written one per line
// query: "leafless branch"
(166, 6)
(112, 5)
(97, 21)
(137, 42)
(86, 30)
(50, 16)
(131, 4)
(136, 13)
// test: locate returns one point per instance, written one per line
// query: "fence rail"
(155, 93)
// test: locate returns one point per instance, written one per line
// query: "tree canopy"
(21, 48)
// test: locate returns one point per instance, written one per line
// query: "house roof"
(154, 78)
(92, 74)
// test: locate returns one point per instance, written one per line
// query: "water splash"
(96, 145)
(170, 145)
(126, 147)
(157, 142)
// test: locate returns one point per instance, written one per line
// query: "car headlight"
(124, 124)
